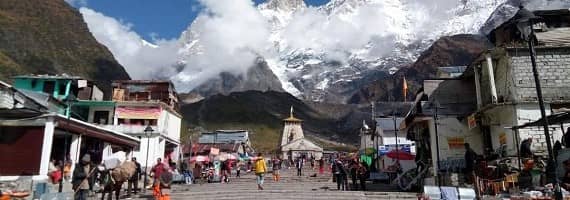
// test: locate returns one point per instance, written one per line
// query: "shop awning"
(406, 124)
(92, 130)
(558, 118)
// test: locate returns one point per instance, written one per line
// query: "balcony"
(129, 129)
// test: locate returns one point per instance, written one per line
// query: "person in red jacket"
(157, 170)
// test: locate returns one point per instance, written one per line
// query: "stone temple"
(293, 143)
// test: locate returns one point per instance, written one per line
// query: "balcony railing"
(130, 129)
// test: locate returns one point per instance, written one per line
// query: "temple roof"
(292, 118)
(301, 144)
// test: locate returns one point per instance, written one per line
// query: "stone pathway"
(290, 187)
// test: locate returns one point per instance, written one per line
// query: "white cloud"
(232, 35)
(78, 3)
(141, 59)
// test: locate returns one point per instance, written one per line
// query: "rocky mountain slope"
(258, 78)
(457, 50)
(50, 37)
(263, 112)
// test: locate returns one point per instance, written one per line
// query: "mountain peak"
(284, 5)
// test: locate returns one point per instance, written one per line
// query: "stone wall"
(554, 70)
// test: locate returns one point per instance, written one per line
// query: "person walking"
(82, 179)
(276, 169)
(156, 171)
(134, 180)
(353, 174)
(339, 173)
(260, 169)
(362, 175)
(299, 166)
(238, 168)
(312, 160)
(526, 150)
(321, 166)
(470, 157)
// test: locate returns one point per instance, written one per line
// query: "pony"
(112, 180)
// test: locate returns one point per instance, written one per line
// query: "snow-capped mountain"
(326, 53)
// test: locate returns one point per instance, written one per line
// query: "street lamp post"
(524, 19)
(435, 118)
(147, 132)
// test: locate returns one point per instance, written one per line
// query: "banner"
(214, 151)
(455, 142)
(138, 112)
(503, 138)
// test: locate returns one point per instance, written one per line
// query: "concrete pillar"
(433, 146)
(478, 86)
(46, 147)
(491, 78)
(74, 150)
(115, 118)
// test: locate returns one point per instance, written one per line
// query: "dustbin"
(535, 174)
(40, 189)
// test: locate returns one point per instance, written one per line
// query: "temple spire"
(291, 112)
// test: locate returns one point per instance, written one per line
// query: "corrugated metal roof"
(47, 76)
(387, 124)
(224, 136)
(556, 37)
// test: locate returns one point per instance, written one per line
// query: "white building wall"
(154, 151)
(531, 112)
(169, 125)
(450, 127)
(499, 119)
(291, 127)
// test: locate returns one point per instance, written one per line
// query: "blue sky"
(161, 18)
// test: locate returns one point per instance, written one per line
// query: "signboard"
(214, 151)
(380, 176)
(472, 121)
(455, 142)
(384, 149)
(503, 138)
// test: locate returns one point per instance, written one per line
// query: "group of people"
(299, 164)
(358, 173)
(57, 171)
(85, 175)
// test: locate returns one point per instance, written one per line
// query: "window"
(49, 87)
(61, 86)
(101, 117)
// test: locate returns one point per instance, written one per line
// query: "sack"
(55, 176)
(112, 163)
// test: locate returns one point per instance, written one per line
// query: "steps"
(289, 187)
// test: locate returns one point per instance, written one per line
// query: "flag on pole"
(405, 88)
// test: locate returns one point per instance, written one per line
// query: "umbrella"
(400, 155)
(199, 159)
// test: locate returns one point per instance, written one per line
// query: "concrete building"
(438, 123)
(35, 130)
(506, 92)
(229, 141)
(141, 103)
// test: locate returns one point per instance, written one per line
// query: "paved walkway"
(290, 187)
